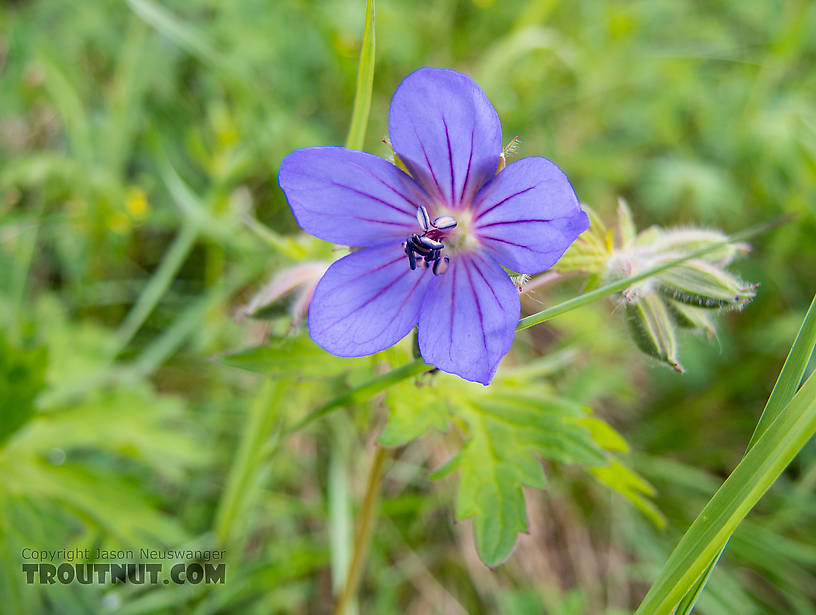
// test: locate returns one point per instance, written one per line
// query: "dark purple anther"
(444, 223)
(431, 244)
(411, 257)
(418, 246)
(423, 218)
(441, 265)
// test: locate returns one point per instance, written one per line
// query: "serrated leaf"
(414, 410)
(630, 485)
(507, 436)
(604, 435)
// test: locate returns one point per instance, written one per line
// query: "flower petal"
(367, 301)
(469, 318)
(447, 133)
(528, 215)
(349, 197)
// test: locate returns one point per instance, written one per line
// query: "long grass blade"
(365, 84)
(785, 388)
(773, 450)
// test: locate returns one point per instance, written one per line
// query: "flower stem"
(368, 515)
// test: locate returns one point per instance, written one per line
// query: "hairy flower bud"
(653, 329)
(298, 282)
(685, 295)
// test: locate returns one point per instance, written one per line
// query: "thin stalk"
(364, 392)
(368, 515)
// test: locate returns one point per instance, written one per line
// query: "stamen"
(426, 249)
(411, 258)
(444, 223)
(441, 265)
(431, 244)
(423, 218)
(418, 246)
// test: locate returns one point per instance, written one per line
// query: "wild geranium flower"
(433, 240)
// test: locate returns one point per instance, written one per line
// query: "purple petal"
(469, 318)
(446, 132)
(528, 215)
(349, 197)
(367, 301)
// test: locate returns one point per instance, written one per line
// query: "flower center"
(426, 248)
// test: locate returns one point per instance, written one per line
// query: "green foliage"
(413, 410)
(139, 144)
(509, 428)
(292, 355)
(22, 377)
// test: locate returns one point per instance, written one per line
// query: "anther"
(429, 243)
(418, 246)
(411, 258)
(423, 218)
(444, 223)
(440, 266)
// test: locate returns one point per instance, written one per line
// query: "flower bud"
(653, 329)
(685, 295)
(702, 284)
(299, 281)
(687, 240)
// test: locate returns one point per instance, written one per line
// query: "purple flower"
(433, 242)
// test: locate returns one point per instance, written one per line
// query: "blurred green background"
(138, 142)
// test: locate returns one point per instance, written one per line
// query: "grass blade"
(773, 450)
(785, 388)
(365, 83)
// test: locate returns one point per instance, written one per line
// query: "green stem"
(368, 515)
(365, 391)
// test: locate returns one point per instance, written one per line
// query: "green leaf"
(622, 479)
(508, 434)
(785, 388)
(22, 377)
(296, 355)
(414, 410)
(604, 435)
